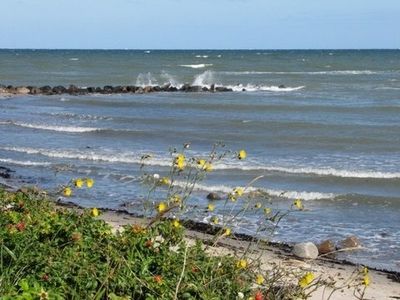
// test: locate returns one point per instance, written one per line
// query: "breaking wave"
(71, 129)
(198, 66)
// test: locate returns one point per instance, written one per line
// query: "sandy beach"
(384, 285)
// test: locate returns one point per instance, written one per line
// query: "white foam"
(202, 56)
(24, 163)
(147, 51)
(313, 171)
(198, 66)
(337, 72)
(74, 59)
(72, 129)
(106, 156)
(254, 88)
(276, 193)
(204, 79)
(146, 79)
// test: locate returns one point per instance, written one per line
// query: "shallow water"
(330, 137)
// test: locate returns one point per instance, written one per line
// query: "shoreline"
(384, 284)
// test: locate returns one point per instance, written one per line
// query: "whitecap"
(74, 59)
(72, 129)
(198, 66)
(24, 163)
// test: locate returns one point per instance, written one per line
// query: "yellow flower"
(176, 223)
(298, 203)
(227, 232)
(94, 212)
(180, 162)
(208, 167)
(366, 280)
(43, 295)
(89, 182)
(242, 154)
(161, 207)
(211, 207)
(204, 165)
(267, 211)
(165, 181)
(365, 271)
(260, 279)
(78, 183)
(215, 220)
(258, 205)
(67, 192)
(241, 264)
(238, 191)
(176, 199)
(306, 279)
(232, 197)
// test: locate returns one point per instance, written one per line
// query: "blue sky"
(200, 24)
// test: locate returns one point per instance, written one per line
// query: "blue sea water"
(331, 136)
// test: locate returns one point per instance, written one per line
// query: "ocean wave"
(254, 88)
(76, 116)
(24, 163)
(163, 161)
(71, 129)
(105, 156)
(198, 66)
(207, 78)
(202, 56)
(332, 72)
(307, 196)
(313, 171)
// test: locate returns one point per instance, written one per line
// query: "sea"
(322, 126)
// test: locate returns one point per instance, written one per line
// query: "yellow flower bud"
(241, 264)
(94, 212)
(78, 183)
(260, 279)
(238, 191)
(67, 192)
(242, 154)
(161, 207)
(211, 207)
(89, 182)
(306, 279)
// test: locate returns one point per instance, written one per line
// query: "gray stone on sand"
(349, 242)
(305, 250)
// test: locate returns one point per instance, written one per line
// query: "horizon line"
(206, 49)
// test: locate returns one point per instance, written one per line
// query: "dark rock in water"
(223, 89)
(46, 89)
(72, 89)
(139, 90)
(243, 90)
(172, 89)
(282, 86)
(205, 89)
(117, 89)
(148, 89)
(99, 90)
(213, 196)
(212, 88)
(194, 88)
(108, 89)
(165, 87)
(156, 88)
(83, 91)
(35, 90)
(326, 247)
(124, 89)
(91, 89)
(349, 242)
(59, 90)
(131, 88)
(185, 87)
(5, 172)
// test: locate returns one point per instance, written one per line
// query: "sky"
(200, 24)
